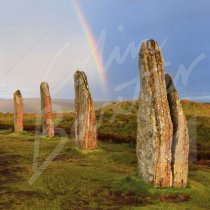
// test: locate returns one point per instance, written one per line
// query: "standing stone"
(85, 123)
(46, 111)
(155, 129)
(180, 145)
(18, 111)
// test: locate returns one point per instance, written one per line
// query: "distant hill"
(32, 105)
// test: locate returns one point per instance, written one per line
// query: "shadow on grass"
(8, 174)
(9, 168)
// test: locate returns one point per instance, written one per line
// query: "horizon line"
(200, 100)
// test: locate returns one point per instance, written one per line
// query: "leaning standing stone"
(155, 129)
(85, 123)
(18, 111)
(180, 145)
(46, 111)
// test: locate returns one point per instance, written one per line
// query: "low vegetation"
(101, 179)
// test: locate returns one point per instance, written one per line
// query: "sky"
(49, 40)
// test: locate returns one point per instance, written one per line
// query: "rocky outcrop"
(155, 129)
(85, 123)
(46, 111)
(180, 146)
(18, 111)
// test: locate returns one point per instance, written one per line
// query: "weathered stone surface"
(46, 111)
(155, 129)
(180, 145)
(85, 123)
(18, 111)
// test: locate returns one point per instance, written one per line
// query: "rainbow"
(91, 43)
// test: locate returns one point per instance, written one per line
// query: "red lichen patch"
(119, 199)
(175, 198)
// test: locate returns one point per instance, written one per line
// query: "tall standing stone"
(46, 110)
(155, 129)
(85, 123)
(18, 111)
(180, 145)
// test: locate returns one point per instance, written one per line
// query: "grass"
(101, 179)
(76, 179)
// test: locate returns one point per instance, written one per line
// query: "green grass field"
(101, 179)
